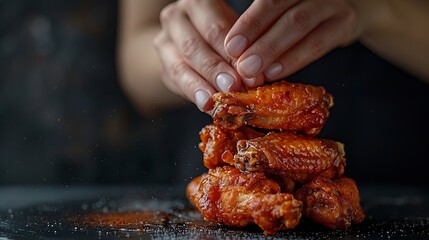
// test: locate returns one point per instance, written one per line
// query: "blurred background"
(63, 116)
(64, 119)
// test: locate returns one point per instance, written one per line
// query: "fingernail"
(251, 65)
(224, 81)
(201, 99)
(250, 82)
(236, 45)
(273, 70)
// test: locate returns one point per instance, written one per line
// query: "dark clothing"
(65, 120)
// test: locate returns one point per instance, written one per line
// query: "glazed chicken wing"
(193, 186)
(298, 157)
(215, 140)
(287, 106)
(225, 195)
(332, 203)
(253, 176)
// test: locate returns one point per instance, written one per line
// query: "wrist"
(374, 17)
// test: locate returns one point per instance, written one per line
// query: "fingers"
(254, 81)
(276, 38)
(312, 47)
(197, 53)
(179, 77)
(289, 29)
(253, 23)
(212, 19)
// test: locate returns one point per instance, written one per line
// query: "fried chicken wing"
(193, 186)
(253, 176)
(298, 157)
(225, 195)
(332, 203)
(286, 106)
(215, 140)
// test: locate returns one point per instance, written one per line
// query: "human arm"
(400, 34)
(297, 33)
(190, 59)
(138, 64)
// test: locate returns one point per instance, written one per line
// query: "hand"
(278, 38)
(190, 45)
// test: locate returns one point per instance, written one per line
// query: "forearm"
(140, 69)
(397, 30)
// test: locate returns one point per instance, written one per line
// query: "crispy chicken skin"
(334, 204)
(215, 140)
(225, 195)
(294, 156)
(282, 105)
(193, 187)
(253, 176)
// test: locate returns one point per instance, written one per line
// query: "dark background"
(64, 119)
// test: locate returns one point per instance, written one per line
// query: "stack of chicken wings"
(272, 179)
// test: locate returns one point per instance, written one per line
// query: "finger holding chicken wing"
(283, 105)
(227, 196)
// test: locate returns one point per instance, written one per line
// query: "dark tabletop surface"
(393, 212)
